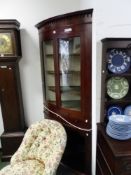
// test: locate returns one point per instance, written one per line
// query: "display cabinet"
(113, 156)
(10, 88)
(65, 47)
(116, 73)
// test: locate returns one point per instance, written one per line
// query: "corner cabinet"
(65, 47)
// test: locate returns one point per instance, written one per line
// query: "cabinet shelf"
(50, 72)
(65, 72)
(71, 104)
(49, 55)
(109, 75)
(74, 54)
(66, 88)
(70, 89)
(111, 101)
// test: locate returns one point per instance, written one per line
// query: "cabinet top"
(67, 15)
(9, 24)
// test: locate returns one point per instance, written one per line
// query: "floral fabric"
(28, 167)
(43, 144)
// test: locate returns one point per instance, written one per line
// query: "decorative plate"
(118, 61)
(127, 111)
(114, 110)
(120, 119)
(117, 87)
(117, 136)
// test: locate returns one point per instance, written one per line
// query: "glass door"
(50, 92)
(69, 66)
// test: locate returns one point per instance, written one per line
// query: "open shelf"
(65, 72)
(121, 46)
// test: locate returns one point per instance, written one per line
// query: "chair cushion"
(43, 142)
(27, 167)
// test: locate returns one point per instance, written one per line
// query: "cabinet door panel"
(50, 90)
(9, 99)
(69, 70)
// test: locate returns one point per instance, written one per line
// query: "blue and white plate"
(120, 128)
(114, 110)
(119, 131)
(120, 119)
(118, 137)
(127, 111)
(118, 61)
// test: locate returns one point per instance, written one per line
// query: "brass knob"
(87, 134)
(86, 121)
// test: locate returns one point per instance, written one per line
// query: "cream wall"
(29, 13)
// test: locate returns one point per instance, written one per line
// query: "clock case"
(11, 27)
(10, 93)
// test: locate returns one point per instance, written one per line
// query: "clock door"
(9, 99)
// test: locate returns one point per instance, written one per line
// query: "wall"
(29, 13)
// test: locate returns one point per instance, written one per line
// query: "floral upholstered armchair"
(40, 151)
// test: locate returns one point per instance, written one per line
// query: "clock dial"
(6, 46)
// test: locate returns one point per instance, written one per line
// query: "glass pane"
(69, 50)
(50, 93)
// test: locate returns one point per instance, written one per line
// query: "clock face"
(6, 46)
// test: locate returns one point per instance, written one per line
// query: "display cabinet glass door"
(50, 92)
(69, 65)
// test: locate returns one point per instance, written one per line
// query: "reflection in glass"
(69, 57)
(50, 94)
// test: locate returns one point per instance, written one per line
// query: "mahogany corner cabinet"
(66, 62)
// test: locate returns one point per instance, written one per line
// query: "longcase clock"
(10, 88)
